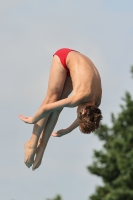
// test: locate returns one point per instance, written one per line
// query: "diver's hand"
(60, 133)
(26, 119)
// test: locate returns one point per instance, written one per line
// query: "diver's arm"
(46, 109)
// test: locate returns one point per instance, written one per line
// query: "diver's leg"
(55, 86)
(48, 128)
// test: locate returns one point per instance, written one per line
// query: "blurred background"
(30, 33)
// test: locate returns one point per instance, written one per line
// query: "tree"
(58, 197)
(114, 164)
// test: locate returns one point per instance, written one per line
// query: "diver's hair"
(90, 120)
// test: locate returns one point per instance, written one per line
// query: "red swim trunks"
(62, 54)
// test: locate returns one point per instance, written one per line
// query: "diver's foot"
(38, 159)
(29, 154)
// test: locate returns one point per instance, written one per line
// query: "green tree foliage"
(58, 197)
(131, 71)
(114, 164)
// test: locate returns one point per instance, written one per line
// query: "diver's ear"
(83, 111)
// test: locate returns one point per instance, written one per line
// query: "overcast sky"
(30, 32)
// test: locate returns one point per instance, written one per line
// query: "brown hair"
(90, 120)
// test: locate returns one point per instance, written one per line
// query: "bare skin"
(86, 85)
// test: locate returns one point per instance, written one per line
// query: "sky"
(30, 33)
